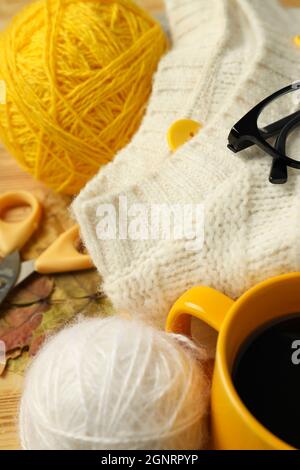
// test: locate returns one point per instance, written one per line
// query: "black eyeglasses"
(246, 132)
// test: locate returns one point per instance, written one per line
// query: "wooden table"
(56, 220)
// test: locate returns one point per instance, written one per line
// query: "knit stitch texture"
(226, 56)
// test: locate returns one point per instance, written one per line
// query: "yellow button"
(297, 40)
(182, 131)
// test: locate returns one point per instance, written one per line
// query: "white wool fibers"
(114, 383)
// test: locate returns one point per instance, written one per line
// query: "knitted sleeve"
(251, 228)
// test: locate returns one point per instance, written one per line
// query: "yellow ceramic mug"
(233, 426)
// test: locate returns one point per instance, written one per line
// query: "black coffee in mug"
(266, 375)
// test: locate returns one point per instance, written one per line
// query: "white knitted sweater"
(226, 56)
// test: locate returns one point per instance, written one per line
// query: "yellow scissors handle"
(63, 256)
(14, 235)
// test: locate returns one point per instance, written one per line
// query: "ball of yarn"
(114, 384)
(78, 74)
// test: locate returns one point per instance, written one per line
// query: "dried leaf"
(11, 355)
(17, 316)
(74, 293)
(3, 329)
(79, 284)
(37, 288)
(17, 324)
(20, 336)
(36, 344)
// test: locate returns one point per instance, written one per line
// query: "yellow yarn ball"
(78, 75)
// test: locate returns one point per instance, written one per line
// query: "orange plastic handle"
(63, 256)
(201, 302)
(14, 235)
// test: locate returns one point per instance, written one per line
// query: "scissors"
(60, 256)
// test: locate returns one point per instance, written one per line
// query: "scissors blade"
(9, 271)
(27, 268)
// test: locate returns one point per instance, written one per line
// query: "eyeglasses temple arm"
(272, 129)
(279, 173)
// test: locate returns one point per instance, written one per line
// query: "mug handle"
(205, 303)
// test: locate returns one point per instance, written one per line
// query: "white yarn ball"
(113, 383)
